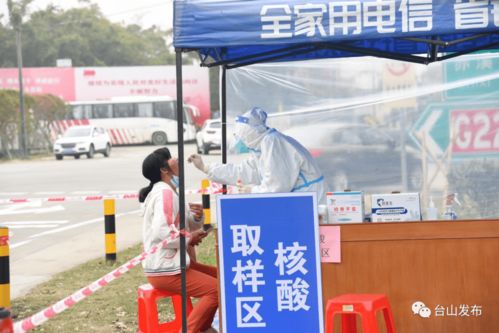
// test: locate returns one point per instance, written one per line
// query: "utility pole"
(16, 13)
(23, 138)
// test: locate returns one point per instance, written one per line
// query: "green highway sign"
(472, 129)
(434, 126)
(474, 76)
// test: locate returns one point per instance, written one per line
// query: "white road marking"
(16, 207)
(69, 227)
(13, 246)
(33, 222)
(10, 211)
(76, 225)
(36, 226)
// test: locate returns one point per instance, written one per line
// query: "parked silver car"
(209, 137)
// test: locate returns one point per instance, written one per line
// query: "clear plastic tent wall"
(379, 126)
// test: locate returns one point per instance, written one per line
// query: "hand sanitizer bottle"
(449, 213)
(431, 211)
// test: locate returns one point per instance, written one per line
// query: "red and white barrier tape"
(64, 304)
(70, 198)
(215, 188)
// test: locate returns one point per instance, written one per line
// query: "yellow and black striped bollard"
(110, 229)
(4, 268)
(205, 183)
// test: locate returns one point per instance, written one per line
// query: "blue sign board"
(270, 263)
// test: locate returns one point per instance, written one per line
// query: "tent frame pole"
(447, 43)
(460, 53)
(263, 54)
(223, 90)
(180, 145)
(289, 52)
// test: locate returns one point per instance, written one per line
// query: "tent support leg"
(223, 90)
(180, 140)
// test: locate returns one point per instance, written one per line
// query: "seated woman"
(161, 221)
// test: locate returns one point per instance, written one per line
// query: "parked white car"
(83, 140)
(209, 137)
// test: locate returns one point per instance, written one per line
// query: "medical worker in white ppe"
(278, 163)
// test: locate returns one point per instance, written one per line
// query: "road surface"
(47, 238)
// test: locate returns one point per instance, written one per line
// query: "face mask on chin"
(176, 181)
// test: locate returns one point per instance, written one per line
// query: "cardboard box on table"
(345, 207)
(395, 207)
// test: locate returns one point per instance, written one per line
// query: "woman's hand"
(197, 237)
(196, 210)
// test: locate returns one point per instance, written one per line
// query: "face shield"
(248, 131)
(238, 146)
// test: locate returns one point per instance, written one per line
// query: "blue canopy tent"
(238, 33)
(235, 33)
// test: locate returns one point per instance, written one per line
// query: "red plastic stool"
(148, 310)
(365, 305)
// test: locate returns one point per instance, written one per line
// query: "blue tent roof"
(237, 33)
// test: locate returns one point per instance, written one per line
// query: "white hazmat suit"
(278, 163)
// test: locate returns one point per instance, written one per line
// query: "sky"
(144, 12)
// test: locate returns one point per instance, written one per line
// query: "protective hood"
(251, 127)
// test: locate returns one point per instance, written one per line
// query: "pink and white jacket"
(161, 220)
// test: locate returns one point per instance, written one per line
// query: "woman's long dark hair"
(151, 169)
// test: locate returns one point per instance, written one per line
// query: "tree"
(88, 38)
(475, 182)
(9, 103)
(8, 49)
(47, 110)
(17, 12)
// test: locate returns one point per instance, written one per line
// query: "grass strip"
(111, 309)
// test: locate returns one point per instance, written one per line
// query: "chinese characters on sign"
(139, 87)
(31, 85)
(245, 241)
(330, 243)
(271, 265)
(104, 83)
(385, 16)
(472, 68)
(291, 294)
(471, 14)
(55, 81)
